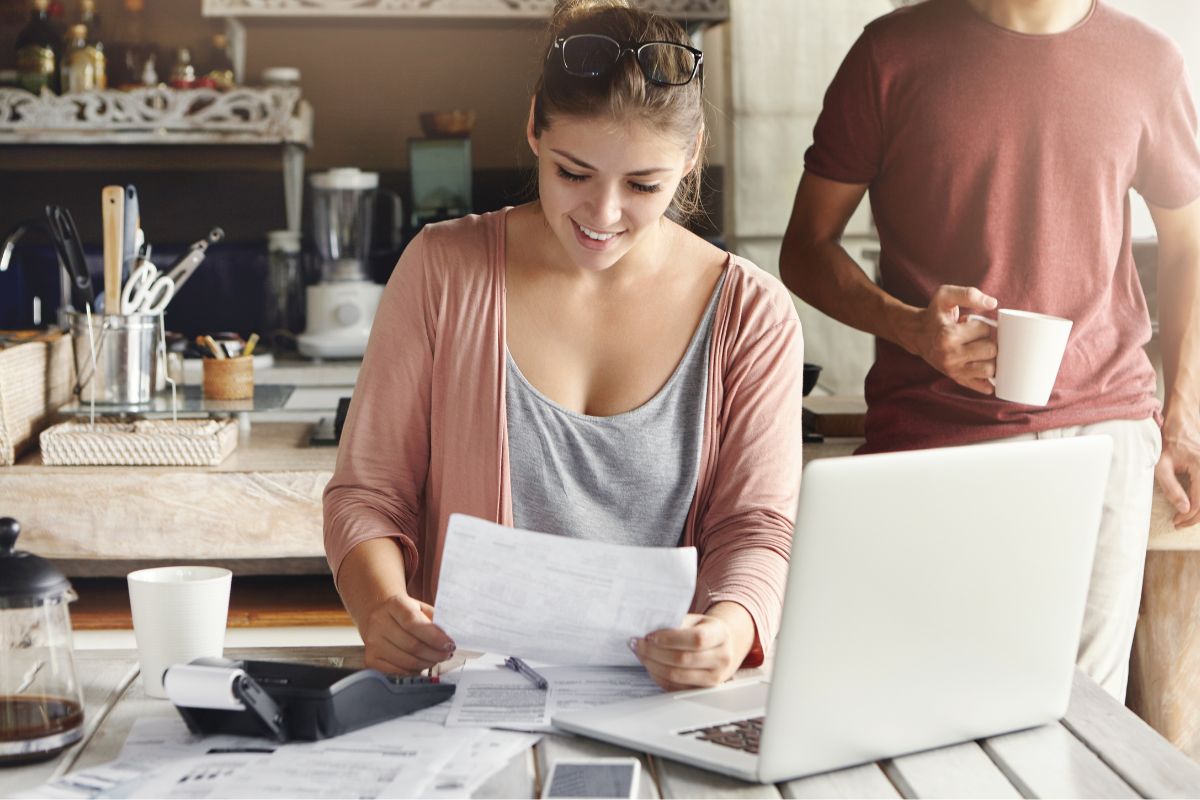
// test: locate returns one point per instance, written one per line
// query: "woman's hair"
(622, 93)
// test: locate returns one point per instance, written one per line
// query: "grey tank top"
(625, 479)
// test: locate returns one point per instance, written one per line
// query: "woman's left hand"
(705, 651)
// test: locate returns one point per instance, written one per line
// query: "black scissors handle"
(70, 252)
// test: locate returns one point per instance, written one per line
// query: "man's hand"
(1178, 469)
(962, 350)
(400, 637)
(705, 651)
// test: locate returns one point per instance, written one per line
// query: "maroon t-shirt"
(1004, 161)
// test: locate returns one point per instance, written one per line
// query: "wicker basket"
(186, 443)
(35, 379)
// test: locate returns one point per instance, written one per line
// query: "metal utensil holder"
(114, 358)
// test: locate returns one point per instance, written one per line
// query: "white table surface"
(1099, 750)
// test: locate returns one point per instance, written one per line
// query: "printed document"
(556, 599)
(501, 698)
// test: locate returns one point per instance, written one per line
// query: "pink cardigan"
(426, 435)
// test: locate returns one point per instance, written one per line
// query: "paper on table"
(503, 699)
(566, 601)
(152, 743)
(161, 758)
(475, 761)
(394, 759)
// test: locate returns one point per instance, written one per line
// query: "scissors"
(147, 291)
(70, 253)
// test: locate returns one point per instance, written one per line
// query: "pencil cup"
(229, 378)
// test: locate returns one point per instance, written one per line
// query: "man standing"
(999, 140)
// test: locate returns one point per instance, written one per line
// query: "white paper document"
(398, 758)
(502, 698)
(556, 599)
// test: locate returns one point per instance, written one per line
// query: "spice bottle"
(220, 70)
(183, 74)
(83, 66)
(38, 46)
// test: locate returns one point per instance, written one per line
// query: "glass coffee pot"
(41, 706)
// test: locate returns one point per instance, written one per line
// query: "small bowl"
(453, 124)
(811, 371)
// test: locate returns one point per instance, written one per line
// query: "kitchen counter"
(259, 511)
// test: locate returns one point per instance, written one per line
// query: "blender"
(341, 306)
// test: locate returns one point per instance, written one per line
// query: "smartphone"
(593, 777)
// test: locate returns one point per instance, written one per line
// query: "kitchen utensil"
(41, 706)
(147, 291)
(129, 237)
(70, 253)
(182, 269)
(112, 208)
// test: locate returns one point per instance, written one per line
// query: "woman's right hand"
(400, 637)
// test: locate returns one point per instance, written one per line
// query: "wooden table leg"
(1164, 681)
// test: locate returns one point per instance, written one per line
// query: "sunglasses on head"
(590, 55)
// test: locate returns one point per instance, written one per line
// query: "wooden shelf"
(157, 115)
(254, 602)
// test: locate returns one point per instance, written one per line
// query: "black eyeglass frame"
(629, 47)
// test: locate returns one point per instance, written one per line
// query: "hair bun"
(568, 12)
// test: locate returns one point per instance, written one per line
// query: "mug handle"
(985, 321)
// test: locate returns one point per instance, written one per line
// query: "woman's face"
(604, 186)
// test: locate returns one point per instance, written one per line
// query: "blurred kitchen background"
(365, 72)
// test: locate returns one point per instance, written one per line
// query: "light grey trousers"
(1115, 591)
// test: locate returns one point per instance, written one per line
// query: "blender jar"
(41, 706)
(342, 203)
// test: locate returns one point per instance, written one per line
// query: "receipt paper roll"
(195, 686)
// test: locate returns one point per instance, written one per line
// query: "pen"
(517, 665)
(217, 350)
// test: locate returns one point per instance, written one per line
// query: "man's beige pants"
(1115, 591)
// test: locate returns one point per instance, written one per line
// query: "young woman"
(581, 365)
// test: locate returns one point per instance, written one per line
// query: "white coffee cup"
(179, 613)
(1030, 348)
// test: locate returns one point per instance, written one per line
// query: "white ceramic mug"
(179, 613)
(1030, 348)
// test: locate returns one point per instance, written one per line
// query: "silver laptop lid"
(933, 596)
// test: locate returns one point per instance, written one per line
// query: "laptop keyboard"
(740, 735)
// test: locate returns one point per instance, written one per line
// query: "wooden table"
(1099, 750)
(194, 515)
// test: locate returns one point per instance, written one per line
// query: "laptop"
(933, 597)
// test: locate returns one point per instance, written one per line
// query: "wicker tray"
(149, 442)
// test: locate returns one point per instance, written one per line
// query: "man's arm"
(815, 266)
(1179, 331)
